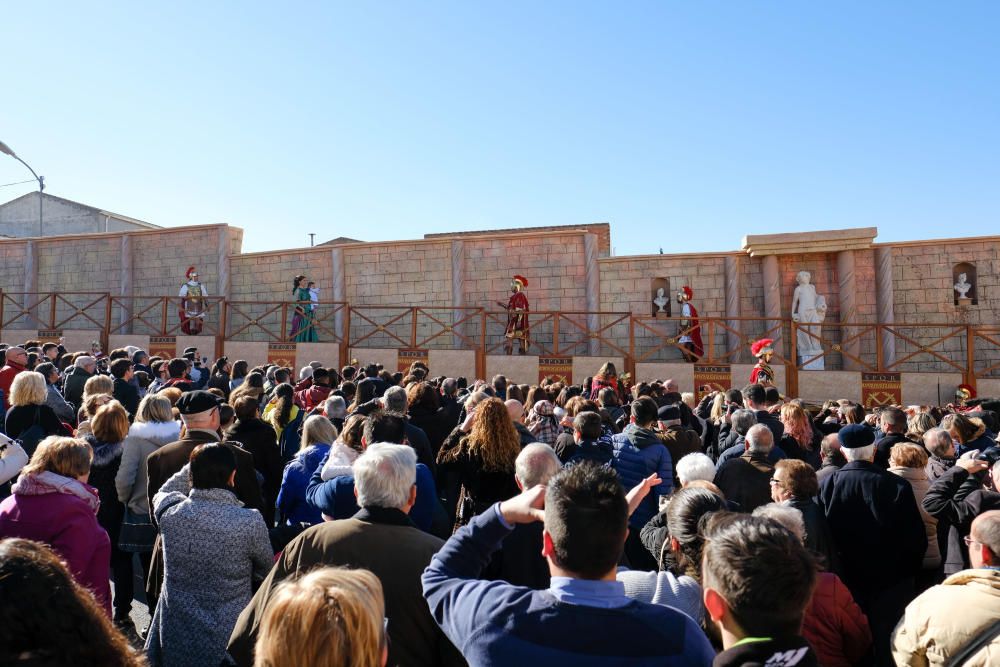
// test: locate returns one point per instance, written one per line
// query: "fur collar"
(158, 432)
(47, 482)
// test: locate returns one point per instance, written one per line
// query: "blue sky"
(685, 125)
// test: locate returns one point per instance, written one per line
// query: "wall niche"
(659, 307)
(965, 287)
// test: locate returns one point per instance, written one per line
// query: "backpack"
(291, 438)
(34, 434)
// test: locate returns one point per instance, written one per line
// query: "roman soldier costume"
(690, 338)
(517, 316)
(762, 373)
(192, 310)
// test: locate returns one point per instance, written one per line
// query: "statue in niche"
(661, 300)
(963, 286)
(809, 311)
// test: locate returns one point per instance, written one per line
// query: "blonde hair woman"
(53, 504)
(154, 427)
(29, 419)
(331, 617)
(318, 434)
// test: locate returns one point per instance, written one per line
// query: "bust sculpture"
(809, 311)
(661, 300)
(963, 286)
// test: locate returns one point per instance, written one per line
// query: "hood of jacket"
(544, 408)
(159, 433)
(45, 482)
(641, 437)
(104, 452)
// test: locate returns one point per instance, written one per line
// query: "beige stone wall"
(12, 256)
(924, 294)
(414, 273)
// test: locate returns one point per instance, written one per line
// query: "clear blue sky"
(684, 124)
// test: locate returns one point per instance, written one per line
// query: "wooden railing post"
(413, 327)
(52, 310)
(165, 304)
(106, 334)
(284, 321)
(709, 341)
(555, 334)
(970, 356)
(879, 358)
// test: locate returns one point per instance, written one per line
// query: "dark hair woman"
(238, 373)
(425, 412)
(219, 379)
(303, 329)
(281, 413)
(674, 534)
(66, 625)
(258, 438)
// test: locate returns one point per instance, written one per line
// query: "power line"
(18, 183)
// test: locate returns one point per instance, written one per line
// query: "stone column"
(339, 291)
(593, 283)
(457, 251)
(772, 297)
(848, 306)
(885, 300)
(30, 282)
(125, 286)
(734, 341)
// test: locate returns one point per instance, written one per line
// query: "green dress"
(303, 330)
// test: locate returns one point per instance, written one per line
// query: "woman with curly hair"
(476, 462)
(799, 440)
(64, 625)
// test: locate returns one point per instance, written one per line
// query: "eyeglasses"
(969, 541)
(776, 482)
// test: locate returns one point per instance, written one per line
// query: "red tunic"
(517, 316)
(694, 330)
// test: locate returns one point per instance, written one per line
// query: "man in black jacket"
(893, 424)
(124, 391)
(755, 398)
(958, 497)
(878, 532)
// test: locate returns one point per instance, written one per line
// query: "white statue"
(661, 300)
(963, 286)
(809, 309)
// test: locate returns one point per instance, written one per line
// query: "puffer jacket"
(638, 453)
(917, 477)
(834, 624)
(945, 618)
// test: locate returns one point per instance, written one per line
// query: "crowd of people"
(357, 517)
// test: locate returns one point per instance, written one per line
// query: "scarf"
(45, 482)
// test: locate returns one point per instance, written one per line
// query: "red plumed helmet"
(688, 294)
(965, 392)
(761, 346)
(190, 270)
(522, 280)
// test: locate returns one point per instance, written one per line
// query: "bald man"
(516, 411)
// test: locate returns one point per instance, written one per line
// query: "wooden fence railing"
(972, 350)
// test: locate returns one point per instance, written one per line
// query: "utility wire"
(18, 183)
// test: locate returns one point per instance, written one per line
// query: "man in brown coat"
(380, 538)
(200, 414)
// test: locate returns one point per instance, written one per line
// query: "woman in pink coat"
(53, 504)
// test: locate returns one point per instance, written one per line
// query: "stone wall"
(446, 273)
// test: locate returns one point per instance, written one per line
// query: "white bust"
(661, 300)
(963, 286)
